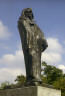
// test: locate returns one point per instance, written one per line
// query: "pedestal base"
(31, 91)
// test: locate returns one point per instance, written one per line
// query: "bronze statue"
(33, 44)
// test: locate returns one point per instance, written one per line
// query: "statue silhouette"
(33, 44)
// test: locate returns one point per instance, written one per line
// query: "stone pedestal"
(31, 91)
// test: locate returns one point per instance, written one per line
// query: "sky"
(50, 17)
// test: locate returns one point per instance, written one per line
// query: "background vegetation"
(50, 75)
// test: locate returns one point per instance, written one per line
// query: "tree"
(54, 76)
(20, 79)
(60, 84)
(51, 73)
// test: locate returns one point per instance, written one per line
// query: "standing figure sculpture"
(33, 44)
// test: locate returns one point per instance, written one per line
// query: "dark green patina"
(33, 44)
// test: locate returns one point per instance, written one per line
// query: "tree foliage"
(60, 84)
(54, 76)
(51, 73)
(20, 79)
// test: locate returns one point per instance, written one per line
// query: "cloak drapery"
(33, 44)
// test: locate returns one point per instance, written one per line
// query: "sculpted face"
(28, 13)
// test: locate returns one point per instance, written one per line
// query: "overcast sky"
(50, 16)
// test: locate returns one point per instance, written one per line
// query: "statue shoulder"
(21, 20)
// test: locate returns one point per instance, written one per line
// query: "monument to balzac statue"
(33, 44)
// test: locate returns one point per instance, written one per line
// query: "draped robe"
(33, 44)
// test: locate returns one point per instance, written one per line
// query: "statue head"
(27, 13)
